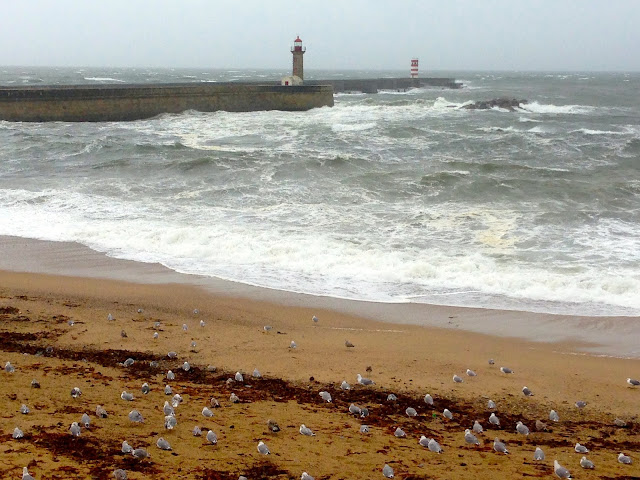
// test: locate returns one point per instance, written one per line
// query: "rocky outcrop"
(505, 103)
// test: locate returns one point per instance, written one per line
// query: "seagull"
(315, 319)
(202, 324)
(75, 429)
(581, 448)
(471, 373)
(506, 370)
(172, 355)
(354, 409)
(305, 475)
(136, 416)
(17, 433)
(538, 454)
(256, 373)
(85, 420)
(618, 422)
(424, 441)
(477, 427)
(35, 383)
(266, 328)
(176, 400)
(540, 426)
(364, 428)
(446, 413)
(214, 403)
(206, 412)
(492, 361)
(491, 405)
(145, 388)
(560, 471)
(126, 448)
(586, 463)
(633, 382)
(348, 344)
(293, 344)
(326, 396)
(428, 399)
(186, 367)
(140, 453)
(434, 446)
(364, 412)
(196, 311)
(500, 447)
(391, 397)
(156, 325)
(527, 392)
(233, 398)
(387, 471)
(553, 416)
(120, 474)
(24, 409)
(622, 458)
(184, 327)
(155, 335)
(345, 386)
(457, 379)
(128, 362)
(581, 404)
(25, 474)
(171, 375)
(493, 420)
(167, 389)
(470, 437)
(273, 426)
(170, 422)
(262, 448)
(123, 334)
(306, 431)
(162, 444)
(411, 412)
(522, 428)
(110, 317)
(197, 431)
(400, 433)
(212, 437)
(238, 377)
(75, 392)
(364, 381)
(126, 396)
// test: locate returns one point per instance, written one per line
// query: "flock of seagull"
(171, 419)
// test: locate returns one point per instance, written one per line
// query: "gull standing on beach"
(26, 475)
(581, 448)
(304, 430)
(162, 444)
(471, 373)
(400, 433)
(522, 428)
(411, 412)
(263, 449)
(428, 399)
(622, 458)
(527, 392)
(538, 454)
(135, 416)
(457, 379)
(9, 368)
(477, 427)
(126, 448)
(387, 471)
(348, 344)
(553, 416)
(506, 370)
(306, 476)
(364, 381)
(326, 396)
(470, 437)
(560, 471)
(633, 382)
(494, 420)
(75, 429)
(500, 447)
(212, 437)
(586, 463)
(345, 386)
(446, 413)
(120, 474)
(491, 405)
(434, 446)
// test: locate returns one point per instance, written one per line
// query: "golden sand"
(409, 361)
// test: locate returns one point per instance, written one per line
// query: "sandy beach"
(54, 329)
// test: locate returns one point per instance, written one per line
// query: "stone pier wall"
(80, 103)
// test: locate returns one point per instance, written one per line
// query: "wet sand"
(408, 360)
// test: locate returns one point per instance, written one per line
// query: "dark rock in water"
(506, 103)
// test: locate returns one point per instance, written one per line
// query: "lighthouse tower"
(414, 68)
(298, 52)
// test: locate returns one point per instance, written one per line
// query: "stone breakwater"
(88, 103)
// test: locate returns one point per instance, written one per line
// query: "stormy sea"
(400, 196)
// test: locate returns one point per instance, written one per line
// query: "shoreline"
(605, 336)
(55, 329)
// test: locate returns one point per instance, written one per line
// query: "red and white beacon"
(414, 68)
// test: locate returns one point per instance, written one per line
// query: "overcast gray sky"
(338, 34)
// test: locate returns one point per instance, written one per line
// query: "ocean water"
(394, 197)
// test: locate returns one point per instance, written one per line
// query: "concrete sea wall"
(88, 103)
(373, 85)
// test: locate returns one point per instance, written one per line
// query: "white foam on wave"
(528, 120)
(588, 131)
(104, 79)
(535, 107)
(252, 246)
